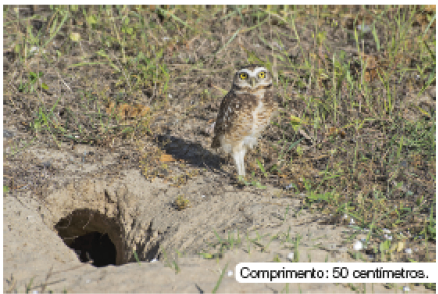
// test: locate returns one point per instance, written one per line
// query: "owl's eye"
(243, 75)
(262, 74)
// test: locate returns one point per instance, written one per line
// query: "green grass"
(218, 283)
(354, 131)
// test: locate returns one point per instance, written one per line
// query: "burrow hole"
(95, 238)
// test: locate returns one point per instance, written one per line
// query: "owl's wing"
(235, 116)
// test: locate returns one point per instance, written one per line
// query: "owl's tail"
(216, 143)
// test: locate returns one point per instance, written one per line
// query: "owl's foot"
(242, 181)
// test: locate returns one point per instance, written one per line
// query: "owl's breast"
(261, 116)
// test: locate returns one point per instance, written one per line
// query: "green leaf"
(33, 76)
(92, 19)
(75, 37)
(206, 255)
(5, 189)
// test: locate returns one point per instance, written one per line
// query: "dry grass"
(356, 128)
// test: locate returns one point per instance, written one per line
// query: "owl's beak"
(252, 81)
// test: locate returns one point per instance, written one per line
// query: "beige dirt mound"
(140, 216)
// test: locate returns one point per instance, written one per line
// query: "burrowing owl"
(244, 113)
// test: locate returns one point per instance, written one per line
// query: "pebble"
(7, 134)
(358, 245)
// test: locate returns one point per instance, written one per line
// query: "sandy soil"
(83, 197)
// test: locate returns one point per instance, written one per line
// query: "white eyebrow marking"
(250, 73)
(259, 69)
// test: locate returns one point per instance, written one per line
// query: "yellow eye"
(243, 75)
(262, 74)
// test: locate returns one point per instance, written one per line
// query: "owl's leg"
(239, 160)
(242, 161)
(236, 155)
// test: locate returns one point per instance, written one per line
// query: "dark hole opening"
(96, 248)
(92, 236)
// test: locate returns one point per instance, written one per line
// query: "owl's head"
(252, 77)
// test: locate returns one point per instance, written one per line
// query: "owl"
(244, 113)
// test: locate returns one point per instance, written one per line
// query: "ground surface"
(35, 258)
(107, 156)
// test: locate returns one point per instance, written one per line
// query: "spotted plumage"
(244, 113)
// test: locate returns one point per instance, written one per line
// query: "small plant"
(296, 250)
(29, 286)
(218, 283)
(262, 168)
(47, 121)
(429, 231)
(31, 84)
(253, 183)
(172, 264)
(182, 203)
(136, 257)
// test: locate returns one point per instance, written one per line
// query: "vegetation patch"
(355, 132)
